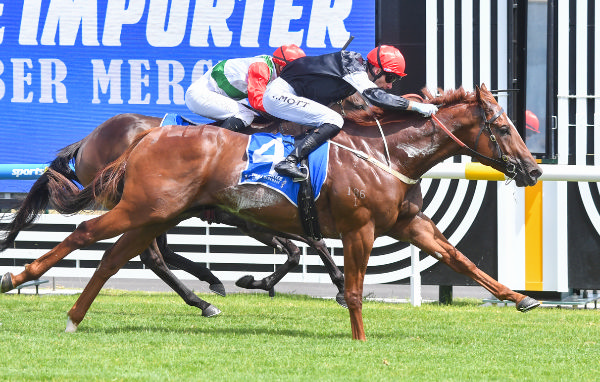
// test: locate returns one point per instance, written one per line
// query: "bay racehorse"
(105, 144)
(171, 173)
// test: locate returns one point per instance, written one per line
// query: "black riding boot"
(233, 124)
(289, 166)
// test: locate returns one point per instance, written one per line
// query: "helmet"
(531, 121)
(387, 58)
(287, 53)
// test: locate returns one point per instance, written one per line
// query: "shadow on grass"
(218, 331)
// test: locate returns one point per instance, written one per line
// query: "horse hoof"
(218, 289)
(71, 326)
(6, 283)
(245, 282)
(339, 298)
(210, 311)
(527, 304)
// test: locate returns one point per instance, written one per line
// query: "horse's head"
(504, 148)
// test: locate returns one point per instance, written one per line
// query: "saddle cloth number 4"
(271, 152)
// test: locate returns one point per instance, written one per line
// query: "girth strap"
(383, 166)
(307, 208)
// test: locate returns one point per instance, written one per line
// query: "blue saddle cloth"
(265, 150)
(174, 119)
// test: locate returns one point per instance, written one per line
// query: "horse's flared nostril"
(535, 173)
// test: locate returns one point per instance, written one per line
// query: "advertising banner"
(68, 65)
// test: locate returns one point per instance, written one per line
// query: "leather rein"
(486, 125)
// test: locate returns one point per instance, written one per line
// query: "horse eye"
(504, 130)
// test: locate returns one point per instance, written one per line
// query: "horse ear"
(477, 92)
(483, 94)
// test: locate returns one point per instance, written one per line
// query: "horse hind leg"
(198, 270)
(151, 258)
(293, 259)
(293, 253)
(114, 258)
(103, 227)
(128, 245)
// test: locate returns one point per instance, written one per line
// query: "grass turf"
(154, 336)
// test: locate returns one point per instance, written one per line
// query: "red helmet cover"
(287, 53)
(391, 59)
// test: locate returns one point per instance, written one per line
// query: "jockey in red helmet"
(389, 59)
(287, 53)
(216, 94)
(306, 86)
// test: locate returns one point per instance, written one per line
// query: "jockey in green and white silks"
(216, 94)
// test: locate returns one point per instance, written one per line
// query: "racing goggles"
(390, 78)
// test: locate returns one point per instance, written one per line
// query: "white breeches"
(205, 98)
(280, 100)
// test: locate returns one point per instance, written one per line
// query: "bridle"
(486, 125)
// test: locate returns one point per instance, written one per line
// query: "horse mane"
(449, 97)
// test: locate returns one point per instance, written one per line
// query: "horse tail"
(106, 188)
(57, 179)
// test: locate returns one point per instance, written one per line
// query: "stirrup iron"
(304, 169)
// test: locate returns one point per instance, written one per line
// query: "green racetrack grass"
(155, 336)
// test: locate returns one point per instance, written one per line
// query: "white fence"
(220, 247)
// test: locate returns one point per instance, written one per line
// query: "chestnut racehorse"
(105, 144)
(169, 174)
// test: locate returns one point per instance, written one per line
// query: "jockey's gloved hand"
(425, 109)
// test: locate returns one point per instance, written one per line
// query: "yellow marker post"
(534, 226)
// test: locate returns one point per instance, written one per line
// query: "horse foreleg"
(357, 249)
(282, 242)
(422, 232)
(193, 268)
(151, 258)
(268, 238)
(293, 259)
(337, 277)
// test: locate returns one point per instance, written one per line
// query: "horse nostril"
(536, 173)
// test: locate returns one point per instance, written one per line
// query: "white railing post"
(304, 260)
(415, 277)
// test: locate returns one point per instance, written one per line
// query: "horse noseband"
(487, 125)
